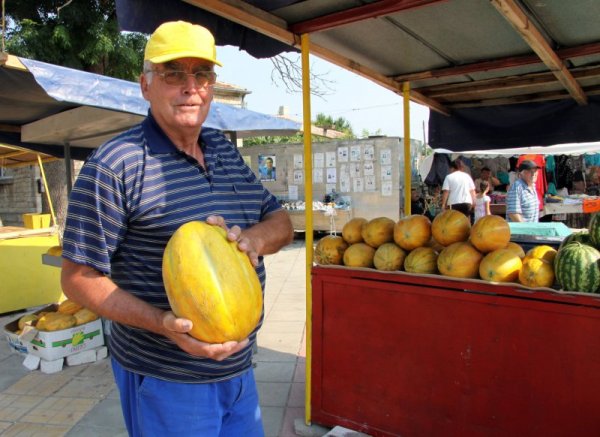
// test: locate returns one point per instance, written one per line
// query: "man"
(267, 170)
(458, 190)
(522, 204)
(486, 175)
(130, 197)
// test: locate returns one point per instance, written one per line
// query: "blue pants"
(153, 407)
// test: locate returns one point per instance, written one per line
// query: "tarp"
(44, 90)
(519, 125)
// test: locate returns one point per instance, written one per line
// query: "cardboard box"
(57, 344)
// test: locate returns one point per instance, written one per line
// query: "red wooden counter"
(424, 355)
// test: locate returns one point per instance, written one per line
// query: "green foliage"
(80, 34)
(340, 124)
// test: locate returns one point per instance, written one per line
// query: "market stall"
(516, 88)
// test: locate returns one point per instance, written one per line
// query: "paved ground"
(83, 401)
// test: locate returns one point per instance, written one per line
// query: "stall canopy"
(44, 107)
(495, 73)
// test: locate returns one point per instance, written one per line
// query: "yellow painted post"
(407, 163)
(308, 199)
(39, 158)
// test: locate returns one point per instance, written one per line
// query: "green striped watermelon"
(594, 229)
(582, 236)
(577, 268)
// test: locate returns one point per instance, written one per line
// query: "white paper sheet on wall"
(355, 153)
(317, 175)
(318, 160)
(386, 188)
(386, 172)
(369, 168)
(293, 192)
(298, 162)
(369, 152)
(342, 154)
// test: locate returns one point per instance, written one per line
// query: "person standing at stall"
(482, 201)
(522, 204)
(131, 195)
(458, 190)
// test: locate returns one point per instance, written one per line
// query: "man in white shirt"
(458, 190)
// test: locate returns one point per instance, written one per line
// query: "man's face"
(529, 176)
(180, 107)
(269, 163)
(485, 175)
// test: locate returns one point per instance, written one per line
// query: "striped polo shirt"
(522, 199)
(129, 198)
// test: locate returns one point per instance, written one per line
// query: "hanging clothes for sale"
(541, 184)
(564, 172)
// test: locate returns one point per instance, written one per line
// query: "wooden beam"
(531, 34)
(352, 15)
(506, 83)
(267, 24)
(498, 64)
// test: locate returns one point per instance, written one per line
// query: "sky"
(366, 105)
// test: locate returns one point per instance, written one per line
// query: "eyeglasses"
(203, 78)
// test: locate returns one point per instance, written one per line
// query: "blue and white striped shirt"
(522, 199)
(129, 198)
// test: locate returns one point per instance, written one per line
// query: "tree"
(80, 34)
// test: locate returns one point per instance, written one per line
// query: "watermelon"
(594, 230)
(582, 236)
(577, 268)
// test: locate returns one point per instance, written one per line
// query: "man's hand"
(177, 330)
(235, 234)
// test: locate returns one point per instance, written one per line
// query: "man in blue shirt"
(129, 198)
(522, 204)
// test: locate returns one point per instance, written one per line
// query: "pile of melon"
(451, 247)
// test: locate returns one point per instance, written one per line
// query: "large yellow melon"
(421, 260)
(359, 255)
(330, 250)
(212, 283)
(489, 233)
(389, 257)
(351, 232)
(459, 260)
(412, 231)
(516, 248)
(537, 273)
(450, 226)
(543, 251)
(378, 231)
(501, 265)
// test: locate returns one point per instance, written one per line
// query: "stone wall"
(19, 194)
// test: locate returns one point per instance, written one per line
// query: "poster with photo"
(386, 188)
(369, 168)
(298, 161)
(298, 177)
(385, 157)
(358, 185)
(330, 159)
(386, 172)
(331, 176)
(344, 183)
(342, 154)
(355, 153)
(370, 184)
(267, 168)
(369, 152)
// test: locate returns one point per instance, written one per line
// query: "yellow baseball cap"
(180, 39)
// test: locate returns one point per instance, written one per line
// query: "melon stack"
(451, 247)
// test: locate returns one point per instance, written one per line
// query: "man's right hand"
(177, 330)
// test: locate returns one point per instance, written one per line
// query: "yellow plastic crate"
(36, 221)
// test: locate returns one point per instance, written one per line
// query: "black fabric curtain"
(519, 125)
